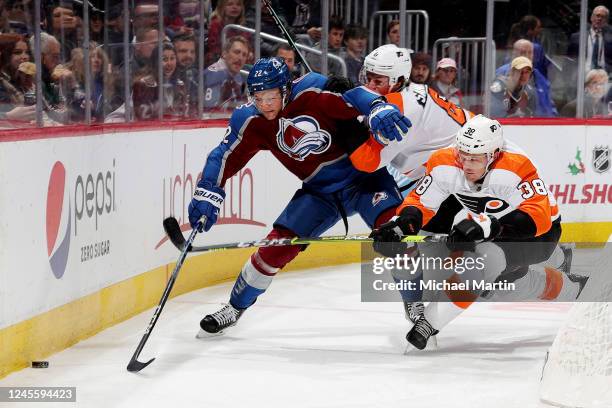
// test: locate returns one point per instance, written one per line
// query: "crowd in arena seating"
(521, 86)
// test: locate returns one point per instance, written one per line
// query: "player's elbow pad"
(517, 225)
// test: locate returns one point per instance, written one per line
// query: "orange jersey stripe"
(442, 157)
(396, 99)
(538, 205)
(367, 156)
(414, 200)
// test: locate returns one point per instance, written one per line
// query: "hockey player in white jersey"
(435, 120)
(506, 212)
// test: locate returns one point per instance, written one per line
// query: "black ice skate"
(420, 333)
(566, 267)
(215, 323)
(413, 310)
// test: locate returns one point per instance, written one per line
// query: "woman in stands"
(105, 97)
(14, 51)
(146, 102)
(444, 81)
(226, 12)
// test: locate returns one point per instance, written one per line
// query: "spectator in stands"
(393, 32)
(104, 95)
(444, 81)
(599, 41)
(512, 95)
(14, 52)
(305, 19)
(187, 71)
(96, 26)
(226, 12)
(334, 47)
(145, 15)
(268, 26)
(146, 41)
(355, 40)
(146, 88)
(595, 87)
(57, 81)
(115, 47)
(529, 28)
(63, 26)
(183, 19)
(287, 53)
(421, 71)
(545, 106)
(19, 16)
(224, 87)
(50, 58)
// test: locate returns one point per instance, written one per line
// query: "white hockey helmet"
(481, 135)
(391, 61)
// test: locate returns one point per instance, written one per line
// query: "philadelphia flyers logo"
(488, 205)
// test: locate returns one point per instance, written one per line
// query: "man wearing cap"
(512, 95)
(421, 68)
(444, 80)
(544, 104)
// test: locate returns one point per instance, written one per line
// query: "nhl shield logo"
(601, 159)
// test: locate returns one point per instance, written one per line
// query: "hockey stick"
(173, 230)
(134, 365)
(286, 34)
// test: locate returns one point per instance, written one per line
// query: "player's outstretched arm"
(225, 160)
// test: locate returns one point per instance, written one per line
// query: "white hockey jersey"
(511, 183)
(435, 122)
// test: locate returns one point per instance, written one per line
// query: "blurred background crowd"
(105, 61)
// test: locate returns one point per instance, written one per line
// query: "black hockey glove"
(338, 84)
(466, 234)
(387, 238)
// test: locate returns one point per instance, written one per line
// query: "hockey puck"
(40, 364)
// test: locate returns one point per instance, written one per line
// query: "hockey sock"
(439, 314)
(258, 272)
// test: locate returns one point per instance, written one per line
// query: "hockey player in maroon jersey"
(298, 123)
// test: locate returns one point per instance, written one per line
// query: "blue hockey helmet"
(269, 73)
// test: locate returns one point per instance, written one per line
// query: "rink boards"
(83, 246)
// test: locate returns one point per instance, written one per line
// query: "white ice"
(309, 342)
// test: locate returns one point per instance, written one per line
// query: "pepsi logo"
(58, 220)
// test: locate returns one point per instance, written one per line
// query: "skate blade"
(206, 335)
(432, 344)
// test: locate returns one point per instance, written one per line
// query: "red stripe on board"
(555, 122)
(23, 134)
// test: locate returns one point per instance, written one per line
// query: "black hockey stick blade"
(173, 230)
(135, 366)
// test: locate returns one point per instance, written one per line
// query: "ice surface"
(309, 342)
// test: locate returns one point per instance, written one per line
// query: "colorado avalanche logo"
(298, 137)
